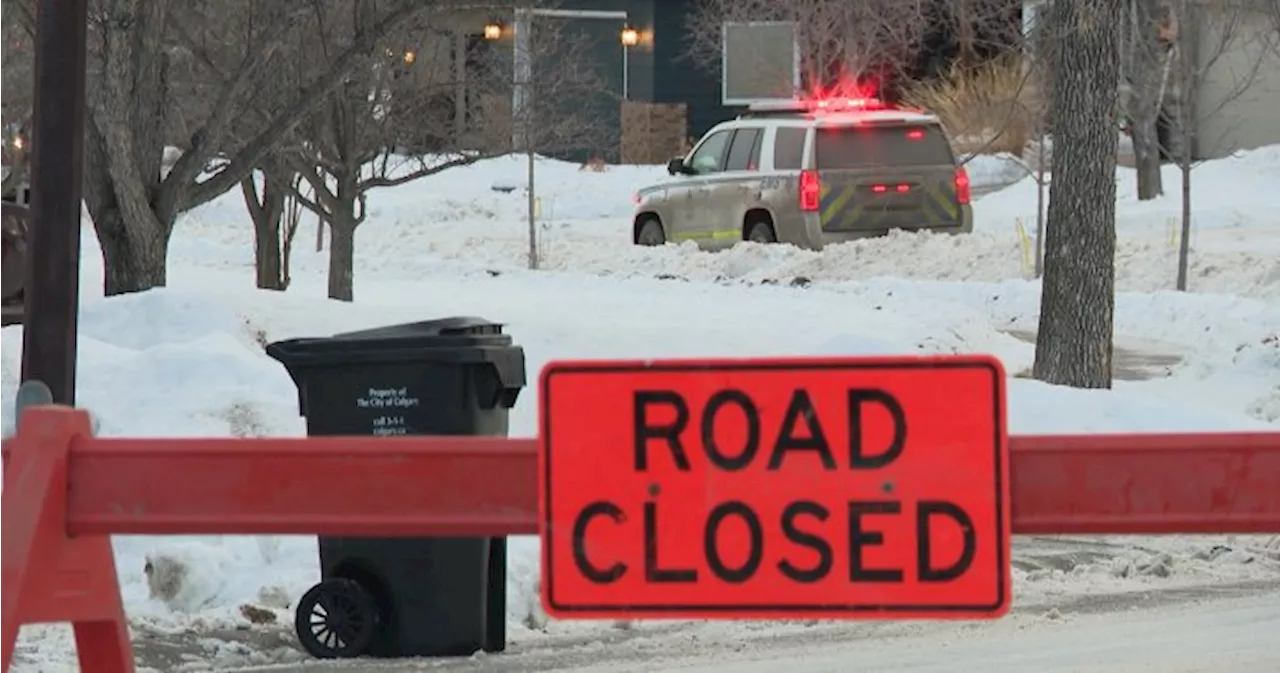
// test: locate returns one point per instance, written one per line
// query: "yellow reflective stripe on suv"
(833, 201)
(944, 200)
(836, 213)
(717, 235)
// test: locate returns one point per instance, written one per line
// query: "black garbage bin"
(406, 597)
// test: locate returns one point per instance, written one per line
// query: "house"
(713, 73)
(1230, 83)
(1237, 101)
(651, 77)
(671, 95)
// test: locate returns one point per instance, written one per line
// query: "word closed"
(798, 488)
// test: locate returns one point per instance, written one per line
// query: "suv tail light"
(963, 192)
(810, 191)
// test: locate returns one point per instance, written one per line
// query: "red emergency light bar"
(820, 105)
(843, 104)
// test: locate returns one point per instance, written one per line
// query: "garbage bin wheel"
(336, 619)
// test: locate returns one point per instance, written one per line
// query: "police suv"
(809, 173)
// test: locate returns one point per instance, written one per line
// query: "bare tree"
(271, 197)
(554, 78)
(1149, 60)
(210, 50)
(1038, 54)
(997, 105)
(1206, 34)
(271, 192)
(851, 46)
(136, 87)
(15, 99)
(397, 118)
(1074, 340)
(389, 123)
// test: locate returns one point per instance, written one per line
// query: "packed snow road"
(1224, 628)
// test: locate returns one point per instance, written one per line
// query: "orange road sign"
(866, 488)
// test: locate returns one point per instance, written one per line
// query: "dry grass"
(991, 108)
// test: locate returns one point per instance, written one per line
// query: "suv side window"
(744, 151)
(788, 148)
(709, 157)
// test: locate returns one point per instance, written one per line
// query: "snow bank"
(455, 220)
(182, 363)
(188, 360)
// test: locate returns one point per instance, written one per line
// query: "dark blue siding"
(658, 69)
(676, 79)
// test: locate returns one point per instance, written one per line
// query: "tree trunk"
(130, 263)
(1077, 305)
(133, 210)
(268, 258)
(1144, 97)
(1146, 156)
(345, 214)
(292, 218)
(1184, 52)
(1042, 168)
(342, 258)
(965, 33)
(1184, 232)
(133, 236)
(267, 211)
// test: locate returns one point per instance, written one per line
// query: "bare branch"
(222, 111)
(332, 80)
(857, 44)
(419, 173)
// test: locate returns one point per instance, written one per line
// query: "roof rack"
(788, 105)
(778, 108)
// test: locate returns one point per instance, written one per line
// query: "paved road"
(1238, 635)
(1224, 628)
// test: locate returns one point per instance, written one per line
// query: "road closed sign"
(873, 488)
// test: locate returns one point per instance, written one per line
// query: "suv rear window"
(876, 146)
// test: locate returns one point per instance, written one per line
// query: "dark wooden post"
(57, 143)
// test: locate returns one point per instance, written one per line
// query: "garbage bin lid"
(455, 326)
(458, 340)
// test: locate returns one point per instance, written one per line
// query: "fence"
(66, 492)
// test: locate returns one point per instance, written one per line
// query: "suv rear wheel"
(760, 230)
(649, 232)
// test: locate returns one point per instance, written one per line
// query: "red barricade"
(66, 492)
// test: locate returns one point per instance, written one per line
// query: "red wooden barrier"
(66, 492)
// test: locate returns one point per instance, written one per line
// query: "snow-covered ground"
(188, 360)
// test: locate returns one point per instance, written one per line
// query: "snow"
(994, 169)
(188, 360)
